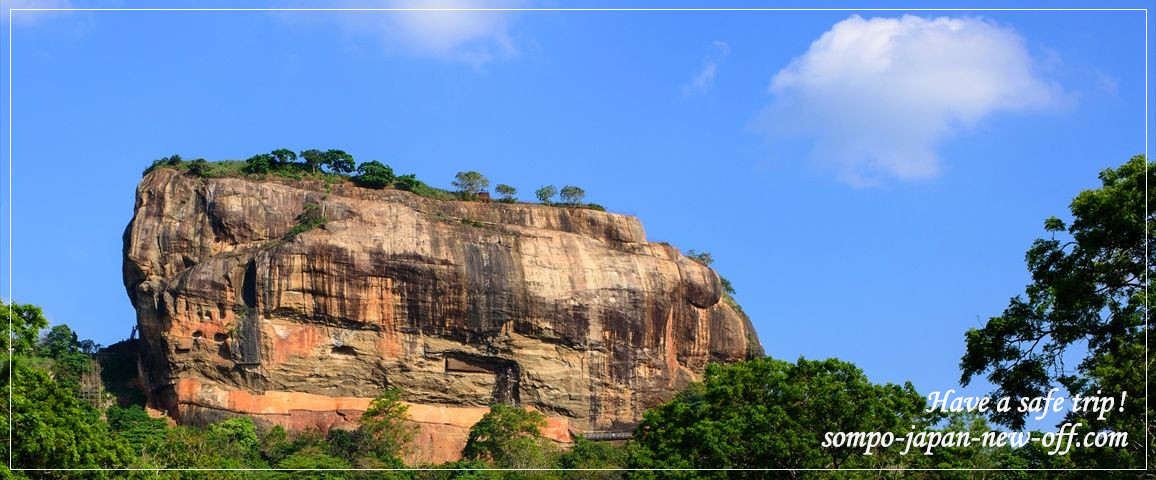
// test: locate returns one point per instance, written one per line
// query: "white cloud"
(703, 80)
(472, 37)
(877, 96)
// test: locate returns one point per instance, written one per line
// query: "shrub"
(704, 258)
(726, 285)
(374, 174)
(198, 167)
(260, 163)
(407, 182)
(309, 219)
(171, 161)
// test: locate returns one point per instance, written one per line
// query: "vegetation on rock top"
(333, 166)
(1089, 285)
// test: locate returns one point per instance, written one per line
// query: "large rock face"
(460, 304)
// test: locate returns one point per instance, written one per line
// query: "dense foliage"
(374, 174)
(768, 413)
(509, 437)
(1087, 298)
(1088, 289)
(763, 413)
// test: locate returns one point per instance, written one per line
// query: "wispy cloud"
(1107, 83)
(878, 96)
(472, 37)
(31, 17)
(704, 79)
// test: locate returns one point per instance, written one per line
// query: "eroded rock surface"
(460, 304)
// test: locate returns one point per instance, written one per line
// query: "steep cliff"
(296, 302)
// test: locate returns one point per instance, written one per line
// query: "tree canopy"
(386, 426)
(471, 183)
(507, 192)
(1088, 289)
(337, 161)
(509, 436)
(314, 158)
(546, 194)
(572, 195)
(374, 174)
(767, 413)
(26, 323)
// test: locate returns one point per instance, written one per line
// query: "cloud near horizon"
(877, 96)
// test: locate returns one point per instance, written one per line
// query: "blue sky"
(869, 182)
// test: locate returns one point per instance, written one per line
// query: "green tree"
(282, 156)
(260, 163)
(1088, 295)
(510, 437)
(25, 323)
(704, 258)
(507, 192)
(386, 428)
(337, 161)
(51, 428)
(135, 425)
(313, 158)
(59, 341)
(470, 184)
(572, 195)
(275, 445)
(198, 167)
(546, 194)
(163, 162)
(312, 457)
(69, 362)
(408, 182)
(586, 454)
(237, 437)
(186, 447)
(373, 174)
(767, 413)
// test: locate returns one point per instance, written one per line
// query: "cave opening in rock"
(507, 374)
(249, 285)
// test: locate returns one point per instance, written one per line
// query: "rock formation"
(296, 302)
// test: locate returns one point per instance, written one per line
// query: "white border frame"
(1147, 267)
